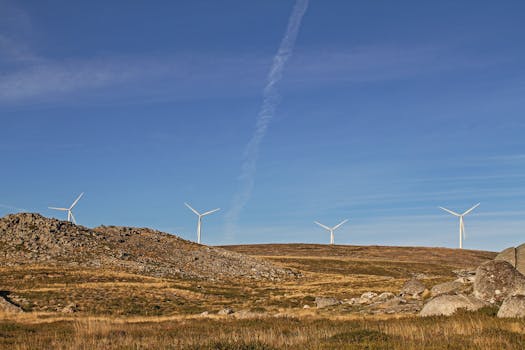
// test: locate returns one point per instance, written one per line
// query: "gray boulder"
(446, 305)
(384, 297)
(453, 287)
(514, 256)
(413, 288)
(496, 280)
(520, 258)
(513, 306)
(324, 302)
(508, 255)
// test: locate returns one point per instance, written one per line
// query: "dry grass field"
(116, 310)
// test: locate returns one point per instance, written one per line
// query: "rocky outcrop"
(496, 280)
(513, 306)
(413, 288)
(508, 255)
(446, 305)
(31, 238)
(514, 256)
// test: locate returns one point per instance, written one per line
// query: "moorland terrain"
(129, 288)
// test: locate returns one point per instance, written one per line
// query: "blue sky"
(387, 110)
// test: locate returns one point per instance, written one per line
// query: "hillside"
(27, 239)
(411, 257)
(114, 287)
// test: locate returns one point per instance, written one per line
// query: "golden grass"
(462, 331)
(118, 310)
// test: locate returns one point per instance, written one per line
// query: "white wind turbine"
(199, 221)
(461, 222)
(331, 229)
(69, 210)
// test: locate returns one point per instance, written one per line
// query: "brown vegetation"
(120, 309)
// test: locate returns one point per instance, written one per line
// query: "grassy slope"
(116, 310)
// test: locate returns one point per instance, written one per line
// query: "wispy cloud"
(27, 76)
(266, 113)
(10, 207)
(200, 74)
(381, 62)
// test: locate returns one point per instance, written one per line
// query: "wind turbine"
(69, 210)
(199, 221)
(461, 222)
(331, 229)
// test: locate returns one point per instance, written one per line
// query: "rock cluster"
(446, 305)
(495, 283)
(31, 238)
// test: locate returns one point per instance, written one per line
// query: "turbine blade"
(471, 209)
(63, 209)
(450, 211)
(323, 226)
(211, 211)
(463, 229)
(76, 201)
(339, 224)
(193, 210)
(73, 217)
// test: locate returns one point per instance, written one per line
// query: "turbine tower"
(461, 222)
(70, 209)
(331, 229)
(199, 221)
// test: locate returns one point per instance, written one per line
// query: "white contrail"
(266, 113)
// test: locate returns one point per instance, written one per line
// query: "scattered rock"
(513, 306)
(413, 288)
(446, 305)
(384, 297)
(497, 279)
(306, 306)
(204, 313)
(368, 295)
(70, 308)
(324, 302)
(226, 311)
(8, 307)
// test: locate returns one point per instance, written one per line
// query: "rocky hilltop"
(33, 239)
